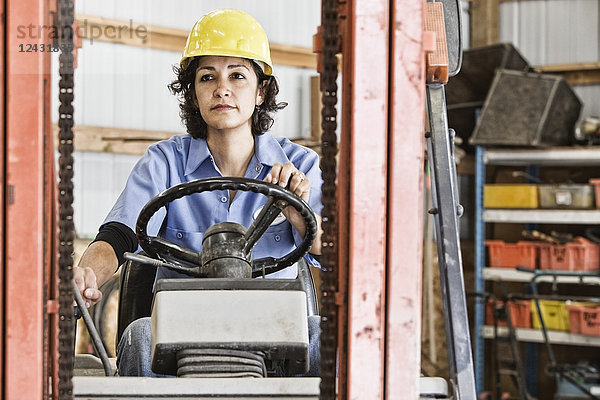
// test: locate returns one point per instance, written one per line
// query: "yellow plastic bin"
(510, 196)
(555, 314)
(566, 196)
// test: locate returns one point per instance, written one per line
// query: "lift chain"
(66, 231)
(329, 321)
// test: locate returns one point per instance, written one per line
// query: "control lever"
(89, 322)
(142, 259)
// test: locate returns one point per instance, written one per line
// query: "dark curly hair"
(184, 88)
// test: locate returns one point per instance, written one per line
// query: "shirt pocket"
(278, 238)
(188, 239)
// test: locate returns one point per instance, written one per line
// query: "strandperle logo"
(84, 30)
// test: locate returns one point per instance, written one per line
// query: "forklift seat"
(135, 293)
(137, 282)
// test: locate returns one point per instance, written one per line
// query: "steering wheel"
(278, 199)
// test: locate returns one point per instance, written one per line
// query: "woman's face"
(227, 92)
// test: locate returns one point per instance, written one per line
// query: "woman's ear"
(259, 97)
(260, 94)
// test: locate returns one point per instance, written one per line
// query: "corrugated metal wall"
(126, 87)
(285, 21)
(98, 181)
(556, 32)
(552, 31)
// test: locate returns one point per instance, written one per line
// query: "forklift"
(370, 278)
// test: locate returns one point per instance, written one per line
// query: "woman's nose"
(222, 89)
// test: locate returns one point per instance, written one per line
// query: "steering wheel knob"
(223, 253)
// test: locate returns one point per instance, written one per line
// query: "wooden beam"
(574, 74)
(485, 22)
(114, 140)
(133, 141)
(138, 34)
(293, 56)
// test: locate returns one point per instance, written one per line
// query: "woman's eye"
(206, 77)
(238, 75)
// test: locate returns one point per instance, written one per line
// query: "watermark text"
(85, 30)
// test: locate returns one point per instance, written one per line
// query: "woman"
(227, 94)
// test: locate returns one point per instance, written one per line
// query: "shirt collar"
(198, 153)
(267, 150)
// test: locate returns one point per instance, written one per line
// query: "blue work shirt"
(183, 158)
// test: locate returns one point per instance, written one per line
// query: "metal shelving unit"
(556, 156)
(542, 216)
(535, 336)
(512, 275)
(561, 156)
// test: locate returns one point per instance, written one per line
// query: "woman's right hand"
(85, 279)
(98, 263)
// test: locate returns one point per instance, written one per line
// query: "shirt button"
(179, 235)
(277, 238)
(258, 168)
(223, 199)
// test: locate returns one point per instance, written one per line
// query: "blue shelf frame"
(531, 352)
(479, 263)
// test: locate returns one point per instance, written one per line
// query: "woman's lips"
(222, 107)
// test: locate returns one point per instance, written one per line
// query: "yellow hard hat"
(228, 32)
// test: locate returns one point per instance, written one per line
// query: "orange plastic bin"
(584, 319)
(519, 311)
(511, 255)
(578, 255)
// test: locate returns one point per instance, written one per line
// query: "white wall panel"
(98, 180)
(508, 24)
(559, 38)
(161, 110)
(294, 120)
(95, 96)
(533, 30)
(285, 21)
(129, 82)
(552, 31)
(584, 20)
(124, 87)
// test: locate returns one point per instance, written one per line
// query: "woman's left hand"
(299, 184)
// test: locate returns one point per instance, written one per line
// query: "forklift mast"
(380, 167)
